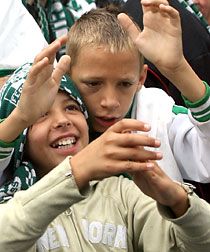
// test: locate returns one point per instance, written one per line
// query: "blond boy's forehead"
(106, 48)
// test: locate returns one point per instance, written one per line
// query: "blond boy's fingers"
(162, 5)
(128, 25)
(173, 13)
(153, 6)
(154, 2)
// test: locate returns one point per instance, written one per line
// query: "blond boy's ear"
(142, 76)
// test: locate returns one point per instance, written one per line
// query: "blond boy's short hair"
(99, 27)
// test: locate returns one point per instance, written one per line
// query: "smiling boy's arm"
(41, 84)
(161, 43)
(156, 184)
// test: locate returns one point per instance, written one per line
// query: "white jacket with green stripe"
(184, 134)
(111, 215)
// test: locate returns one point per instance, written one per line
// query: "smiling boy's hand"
(157, 185)
(39, 91)
(115, 152)
(42, 83)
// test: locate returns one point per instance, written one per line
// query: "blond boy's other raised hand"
(161, 43)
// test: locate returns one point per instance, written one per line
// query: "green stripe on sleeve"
(3, 156)
(7, 145)
(200, 102)
(203, 118)
(200, 109)
(202, 112)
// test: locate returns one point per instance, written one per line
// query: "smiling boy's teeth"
(68, 142)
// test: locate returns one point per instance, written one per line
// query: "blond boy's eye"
(92, 83)
(126, 84)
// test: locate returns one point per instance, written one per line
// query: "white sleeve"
(185, 142)
(190, 142)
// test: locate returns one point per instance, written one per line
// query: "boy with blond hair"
(107, 68)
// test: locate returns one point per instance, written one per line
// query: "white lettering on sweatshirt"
(108, 234)
(54, 237)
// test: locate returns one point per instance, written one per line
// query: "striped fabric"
(200, 110)
(190, 6)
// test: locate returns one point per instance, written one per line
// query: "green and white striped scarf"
(79, 7)
(190, 6)
(23, 172)
(54, 19)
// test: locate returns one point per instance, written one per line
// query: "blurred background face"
(204, 7)
(63, 131)
(107, 82)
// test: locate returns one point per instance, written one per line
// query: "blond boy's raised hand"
(160, 41)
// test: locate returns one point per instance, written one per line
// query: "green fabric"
(54, 19)
(204, 118)
(200, 102)
(59, 20)
(6, 72)
(80, 7)
(43, 22)
(24, 173)
(179, 110)
(6, 148)
(6, 145)
(191, 6)
(200, 112)
(206, 110)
